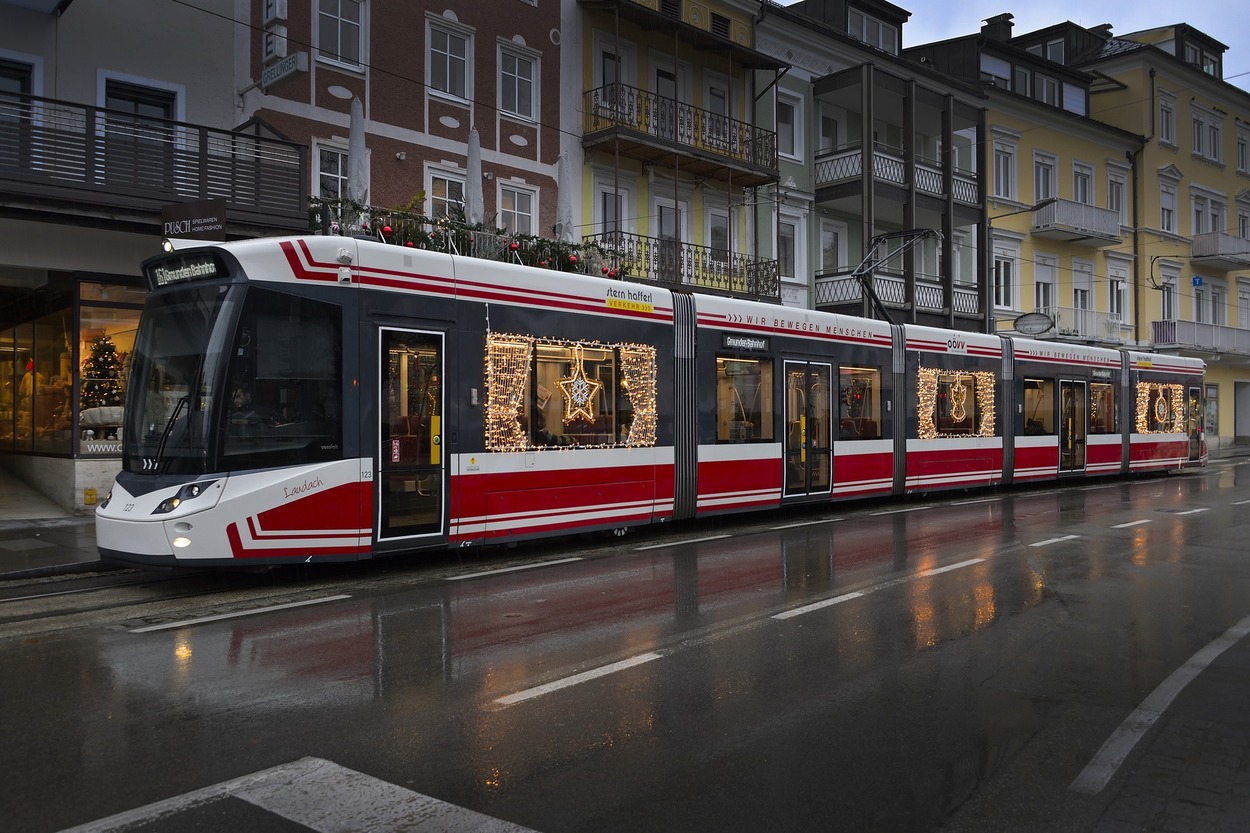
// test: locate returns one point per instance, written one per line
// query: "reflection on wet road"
(871, 669)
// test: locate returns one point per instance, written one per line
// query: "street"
(952, 664)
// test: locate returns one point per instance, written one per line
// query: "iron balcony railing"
(847, 163)
(1200, 336)
(646, 114)
(51, 149)
(835, 289)
(617, 255)
(687, 265)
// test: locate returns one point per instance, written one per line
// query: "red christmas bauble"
(572, 258)
(386, 229)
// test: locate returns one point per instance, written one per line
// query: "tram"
(327, 398)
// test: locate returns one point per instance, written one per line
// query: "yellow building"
(670, 151)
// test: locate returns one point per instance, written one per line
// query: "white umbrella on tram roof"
(564, 199)
(474, 201)
(357, 156)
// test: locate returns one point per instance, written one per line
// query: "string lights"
(1160, 407)
(511, 407)
(929, 382)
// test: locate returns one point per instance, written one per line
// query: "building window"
(1004, 171)
(516, 83)
(449, 61)
(1023, 84)
(1208, 135)
(1047, 90)
(788, 127)
(872, 31)
(1168, 280)
(718, 235)
(1116, 298)
(1117, 182)
(446, 193)
(1209, 214)
(1004, 281)
(1083, 184)
(331, 174)
(1167, 120)
(340, 31)
(1043, 178)
(1044, 284)
(996, 70)
(516, 209)
(787, 234)
(1167, 208)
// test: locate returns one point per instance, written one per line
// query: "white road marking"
(679, 543)
(799, 611)
(1102, 768)
(806, 523)
(900, 511)
(936, 570)
(324, 797)
(1049, 541)
(975, 502)
(1131, 523)
(1194, 511)
(858, 594)
(236, 614)
(1240, 502)
(576, 679)
(533, 566)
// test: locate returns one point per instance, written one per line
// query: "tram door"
(1194, 428)
(410, 457)
(1073, 425)
(809, 427)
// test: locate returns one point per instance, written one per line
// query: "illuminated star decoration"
(579, 391)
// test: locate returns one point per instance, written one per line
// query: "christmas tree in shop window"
(102, 375)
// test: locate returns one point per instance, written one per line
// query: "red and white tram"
(330, 398)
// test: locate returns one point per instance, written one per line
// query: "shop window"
(106, 340)
(744, 400)
(859, 403)
(556, 393)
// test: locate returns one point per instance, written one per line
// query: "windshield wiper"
(169, 427)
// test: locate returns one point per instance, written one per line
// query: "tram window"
(1039, 407)
(284, 394)
(744, 400)
(859, 403)
(1104, 418)
(1160, 408)
(544, 393)
(955, 403)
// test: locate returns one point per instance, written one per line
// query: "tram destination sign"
(183, 268)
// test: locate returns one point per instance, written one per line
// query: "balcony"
(846, 164)
(651, 129)
(835, 290)
(1195, 335)
(687, 266)
(1221, 251)
(1078, 223)
(77, 159)
(1084, 325)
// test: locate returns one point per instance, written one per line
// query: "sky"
(1228, 21)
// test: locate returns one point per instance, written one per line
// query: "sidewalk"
(39, 538)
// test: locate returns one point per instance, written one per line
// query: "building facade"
(111, 115)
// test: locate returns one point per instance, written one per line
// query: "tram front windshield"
(176, 364)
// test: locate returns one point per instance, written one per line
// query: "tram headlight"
(187, 492)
